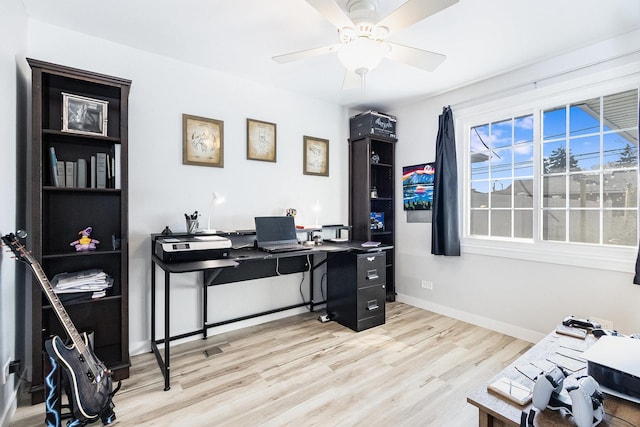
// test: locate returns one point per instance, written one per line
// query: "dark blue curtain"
(445, 236)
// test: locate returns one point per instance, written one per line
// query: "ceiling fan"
(363, 36)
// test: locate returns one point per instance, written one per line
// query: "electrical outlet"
(5, 371)
(426, 284)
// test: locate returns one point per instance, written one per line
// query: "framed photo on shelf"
(84, 115)
(261, 140)
(315, 156)
(202, 141)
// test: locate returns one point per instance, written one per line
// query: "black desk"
(242, 264)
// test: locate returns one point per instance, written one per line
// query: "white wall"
(162, 189)
(519, 297)
(13, 28)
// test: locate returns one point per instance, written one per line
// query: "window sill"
(603, 258)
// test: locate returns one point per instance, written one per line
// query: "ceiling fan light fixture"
(362, 55)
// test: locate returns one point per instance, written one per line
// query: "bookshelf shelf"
(102, 300)
(76, 189)
(57, 213)
(78, 137)
(80, 254)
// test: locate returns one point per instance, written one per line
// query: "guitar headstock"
(18, 249)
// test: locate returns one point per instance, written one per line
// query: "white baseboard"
(474, 319)
(10, 409)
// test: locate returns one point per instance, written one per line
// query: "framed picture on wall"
(84, 115)
(315, 156)
(202, 141)
(261, 140)
(417, 186)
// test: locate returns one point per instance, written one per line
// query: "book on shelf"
(101, 170)
(61, 174)
(70, 168)
(54, 167)
(110, 171)
(116, 166)
(98, 171)
(92, 171)
(81, 172)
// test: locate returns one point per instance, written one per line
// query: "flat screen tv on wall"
(417, 186)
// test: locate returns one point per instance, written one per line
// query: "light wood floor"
(416, 370)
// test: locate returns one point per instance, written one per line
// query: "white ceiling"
(481, 38)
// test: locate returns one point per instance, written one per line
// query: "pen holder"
(192, 226)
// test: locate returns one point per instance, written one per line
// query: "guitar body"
(90, 396)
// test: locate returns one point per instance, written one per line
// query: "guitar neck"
(59, 309)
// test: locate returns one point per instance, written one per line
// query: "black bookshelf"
(57, 213)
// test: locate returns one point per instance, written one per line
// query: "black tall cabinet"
(371, 190)
(57, 213)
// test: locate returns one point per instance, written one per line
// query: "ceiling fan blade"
(303, 54)
(351, 80)
(418, 58)
(334, 13)
(413, 11)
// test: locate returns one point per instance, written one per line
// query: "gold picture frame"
(261, 140)
(315, 156)
(86, 116)
(202, 141)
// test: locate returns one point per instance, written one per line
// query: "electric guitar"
(90, 380)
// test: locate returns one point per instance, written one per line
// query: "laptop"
(277, 234)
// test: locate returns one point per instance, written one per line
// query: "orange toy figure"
(85, 243)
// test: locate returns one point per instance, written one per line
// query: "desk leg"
(167, 333)
(311, 274)
(205, 304)
(153, 302)
(207, 280)
(487, 420)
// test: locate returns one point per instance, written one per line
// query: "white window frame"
(534, 102)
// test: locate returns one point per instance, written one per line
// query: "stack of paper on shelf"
(94, 280)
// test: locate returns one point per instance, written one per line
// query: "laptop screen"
(273, 230)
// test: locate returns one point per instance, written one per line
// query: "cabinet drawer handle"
(372, 305)
(372, 274)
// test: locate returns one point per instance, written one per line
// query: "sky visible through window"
(588, 170)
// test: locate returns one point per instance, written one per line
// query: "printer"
(191, 248)
(614, 362)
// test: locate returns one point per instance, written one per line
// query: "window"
(501, 191)
(568, 174)
(590, 171)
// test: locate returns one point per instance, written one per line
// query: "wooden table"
(495, 411)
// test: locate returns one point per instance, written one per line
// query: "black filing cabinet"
(356, 289)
